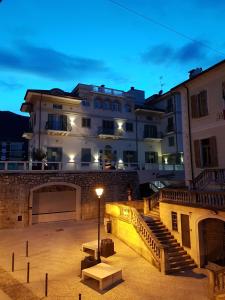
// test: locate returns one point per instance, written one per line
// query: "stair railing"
(158, 251)
(207, 176)
(151, 202)
(216, 283)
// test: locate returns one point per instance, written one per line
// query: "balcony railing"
(106, 131)
(107, 91)
(79, 166)
(58, 126)
(170, 128)
(157, 135)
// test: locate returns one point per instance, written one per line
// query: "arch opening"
(212, 241)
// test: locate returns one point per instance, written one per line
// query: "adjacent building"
(203, 119)
(13, 147)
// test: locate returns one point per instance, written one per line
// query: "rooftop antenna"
(161, 85)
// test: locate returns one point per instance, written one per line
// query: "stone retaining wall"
(15, 191)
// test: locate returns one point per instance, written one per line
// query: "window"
(85, 102)
(199, 107)
(128, 108)
(129, 127)
(206, 152)
(106, 105)
(169, 107)
(85, 155)
(116, 106)
(54, 154)
(129, 156)
(170, 125)
(223, 90)
(97, 103)
(86, 122)
(151, 157)
(108, 126)
(171, 141)
(57, 122)
(57, 106)
(150, 131)
(174, 221)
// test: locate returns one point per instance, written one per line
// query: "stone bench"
(91, 248)
(105, 274)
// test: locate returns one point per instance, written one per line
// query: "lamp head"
(99, 191)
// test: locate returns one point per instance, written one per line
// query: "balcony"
(54, 128)
(158, 136)
(108, 133)
(107, 91)
(170, 128)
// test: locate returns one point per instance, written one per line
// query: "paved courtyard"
(55, 249)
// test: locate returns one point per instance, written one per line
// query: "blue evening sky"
(46, 44)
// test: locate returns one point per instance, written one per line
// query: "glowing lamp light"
(99, 191)
(120, 125)
(166, 160)
(72, 157)
(72, 121)
(120, 161)
(96, 157)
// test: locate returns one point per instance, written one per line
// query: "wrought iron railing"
(207, 176)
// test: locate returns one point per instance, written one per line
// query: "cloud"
(47, 62)
(10, 85)
(162, 53)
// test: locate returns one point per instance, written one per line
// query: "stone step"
(179, 257)
(175, 254)
(182, 263)
(180, 269)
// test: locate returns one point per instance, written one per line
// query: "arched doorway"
(54, 202)
(212, 241)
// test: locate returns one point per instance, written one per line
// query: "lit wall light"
(72, 158)
(120, 161)
(182, 159)
(96, 157)
(166, 160)
(120, 125)
(72, 121)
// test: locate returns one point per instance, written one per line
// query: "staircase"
(178, 259)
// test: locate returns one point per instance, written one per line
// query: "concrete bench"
(91, 248)
(105, 274)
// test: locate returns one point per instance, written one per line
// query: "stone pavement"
(54, 248)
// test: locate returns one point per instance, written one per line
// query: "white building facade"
(94, 128)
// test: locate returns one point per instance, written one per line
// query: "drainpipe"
(136, 137)
(175, 117)
(189, 131)
(39, 129)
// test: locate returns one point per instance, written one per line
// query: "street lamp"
(99, 191)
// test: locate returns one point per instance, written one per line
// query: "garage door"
(53, 206)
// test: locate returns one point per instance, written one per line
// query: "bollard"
(46, 285)
(27, 245)
(79, 296)
(13, 261)
(28, 272)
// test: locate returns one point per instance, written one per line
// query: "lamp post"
(99, 191)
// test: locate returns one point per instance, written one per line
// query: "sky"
(148, 44)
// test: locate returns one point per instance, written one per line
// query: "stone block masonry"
(16, 189)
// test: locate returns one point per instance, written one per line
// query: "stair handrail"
(207, 175)
(151, 202)
(207, 199)
(159, 251)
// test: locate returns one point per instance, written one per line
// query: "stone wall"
(15, 191)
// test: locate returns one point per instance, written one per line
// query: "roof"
(200, 74)
(53, 92)
(147, 108)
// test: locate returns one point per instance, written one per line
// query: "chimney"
(194, 72)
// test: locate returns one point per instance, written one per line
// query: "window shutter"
(194, 106)
(213, 152)
(197, 153)
(203, 103)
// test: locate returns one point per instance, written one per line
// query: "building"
(95, 128)
(13, 147)
(171, 126)
(203, 104)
